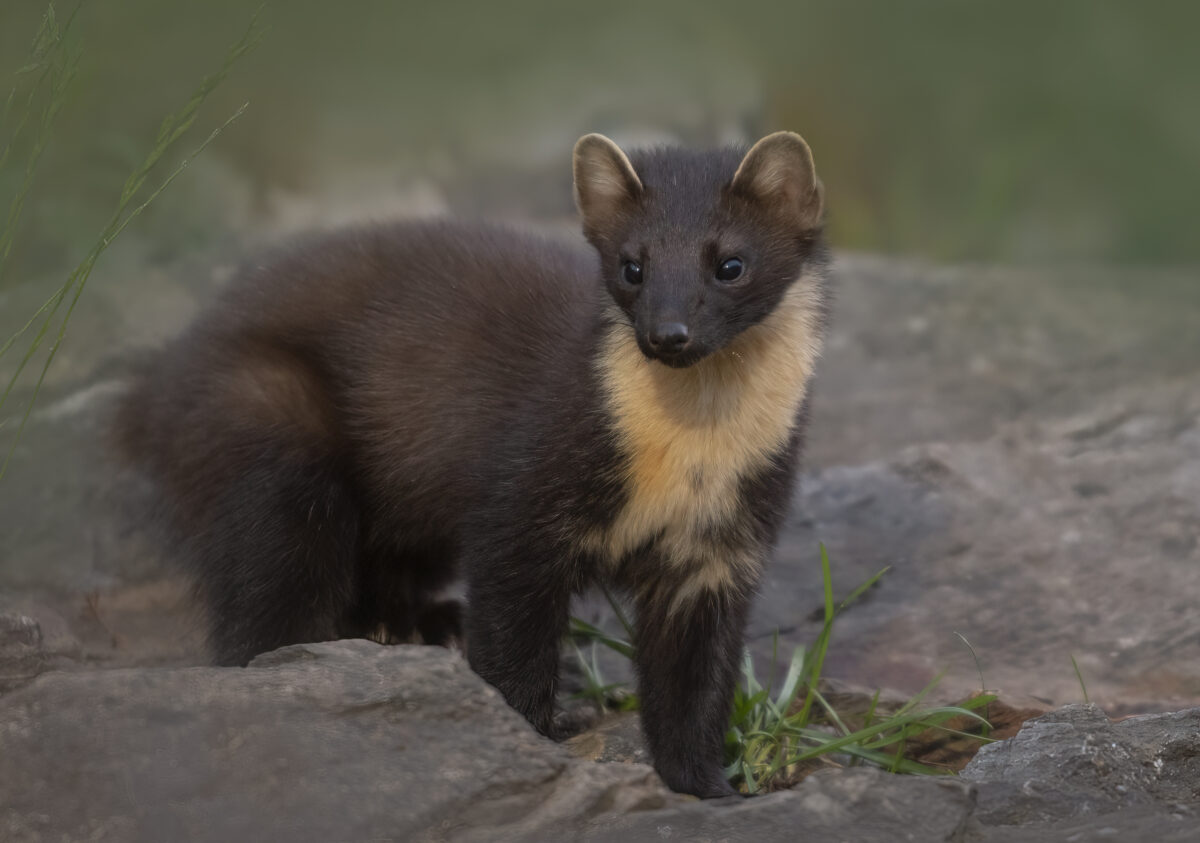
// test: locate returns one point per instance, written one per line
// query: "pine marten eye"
(632, 273)
(730, 269)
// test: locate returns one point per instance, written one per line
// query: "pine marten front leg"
(518, 599)
(687, 657)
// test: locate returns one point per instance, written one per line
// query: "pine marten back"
(364, 416)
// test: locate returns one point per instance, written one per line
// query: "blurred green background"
(955, 131)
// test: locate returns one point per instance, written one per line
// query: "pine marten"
(365, 415)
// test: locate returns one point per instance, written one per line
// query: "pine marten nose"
(669, 337)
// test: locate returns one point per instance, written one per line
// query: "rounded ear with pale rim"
(778, 171)
(606, 184)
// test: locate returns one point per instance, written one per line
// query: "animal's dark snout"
(669, 337)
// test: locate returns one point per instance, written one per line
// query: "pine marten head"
(696, 247)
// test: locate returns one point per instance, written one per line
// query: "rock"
(354, 741)
(1075, 763)
(617, 737)
(919, 354)
(1132, 826)
(341, 741)
(28, 646)
(21, 656)
(1073, 775)
(862, 804)
(994, 540)
(1169, 744)
(17, 630)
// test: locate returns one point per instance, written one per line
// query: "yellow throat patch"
(690, 435)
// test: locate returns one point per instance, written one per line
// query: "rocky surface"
(340, 741)
(1023, 449)
(862, 805)
(1074, 762)
(354, 741)
(1074, 775)
(32, 642)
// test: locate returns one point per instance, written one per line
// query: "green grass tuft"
(776, 736)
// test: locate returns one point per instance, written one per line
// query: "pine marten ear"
(606, 185)
(779, 171)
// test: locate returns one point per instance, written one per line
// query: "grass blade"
(1079, 676)
(582, 629)
(172, 128)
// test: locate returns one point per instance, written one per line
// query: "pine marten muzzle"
(364, 416)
